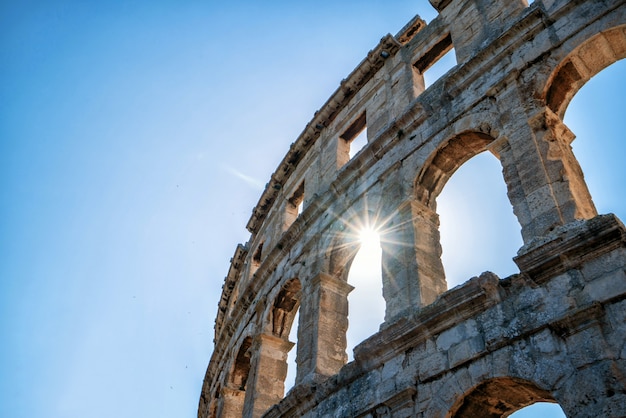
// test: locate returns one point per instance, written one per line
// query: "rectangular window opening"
(256, 259)
(358, 143)
(258, 254)
(355, 137)
(294, 207)
(437, 61)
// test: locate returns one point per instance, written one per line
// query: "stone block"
(456, 334)
(586, 347)
(465, 350)
(432, 363)
(606, 287)
(545, 342)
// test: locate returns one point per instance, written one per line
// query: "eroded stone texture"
(555, 332)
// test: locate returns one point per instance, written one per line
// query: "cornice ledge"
(569, 246)
(365, 71)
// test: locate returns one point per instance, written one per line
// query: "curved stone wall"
(554, 332)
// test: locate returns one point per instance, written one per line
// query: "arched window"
(285, 325)
(596, 116)
(241, 367)
(365, 303)
(503, 396)
(479, 231)
(540, 410)
(355, 258)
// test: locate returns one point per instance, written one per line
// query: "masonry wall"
(553, 332)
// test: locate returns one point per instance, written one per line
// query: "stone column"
(266, 384)
(322, 329)
(231, 404)
(544, 180)
(413, 275)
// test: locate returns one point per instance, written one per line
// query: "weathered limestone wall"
(493, 346)
(553, 332)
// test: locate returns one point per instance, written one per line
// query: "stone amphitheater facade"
(554, 332)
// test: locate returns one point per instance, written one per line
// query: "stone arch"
(478, 228)
(322, 334)
(578, 61)
(343, 242)
(445, 161)
(282, 317)
(498, 397)
(465, 139)
(233, 394)
(581, 64)
(270, 347)
(341, 252)
(598, 146)
(241, 366)
(284, 308)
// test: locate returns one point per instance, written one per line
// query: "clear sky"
(135, 138)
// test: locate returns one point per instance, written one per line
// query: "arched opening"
(231, 403)
(366, 305)
(355, 258)
(479, 231)
(596, 116)
(285, 307)
(593, 74)
(583, 63)
(241, 367)
(284, 315)
(292, 366)
(446, 161)
(502, 397)
(540, 410)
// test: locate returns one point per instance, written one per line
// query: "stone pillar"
(545, 183)
(266, 384)
(413, 275)
(322, 329)
(403, 84)
(231, 404)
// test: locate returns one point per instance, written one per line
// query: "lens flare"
(369, 238)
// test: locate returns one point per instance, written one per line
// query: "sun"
(369, 238)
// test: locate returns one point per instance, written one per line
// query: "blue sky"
(135, 138)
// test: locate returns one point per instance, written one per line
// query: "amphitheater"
(555, 332)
